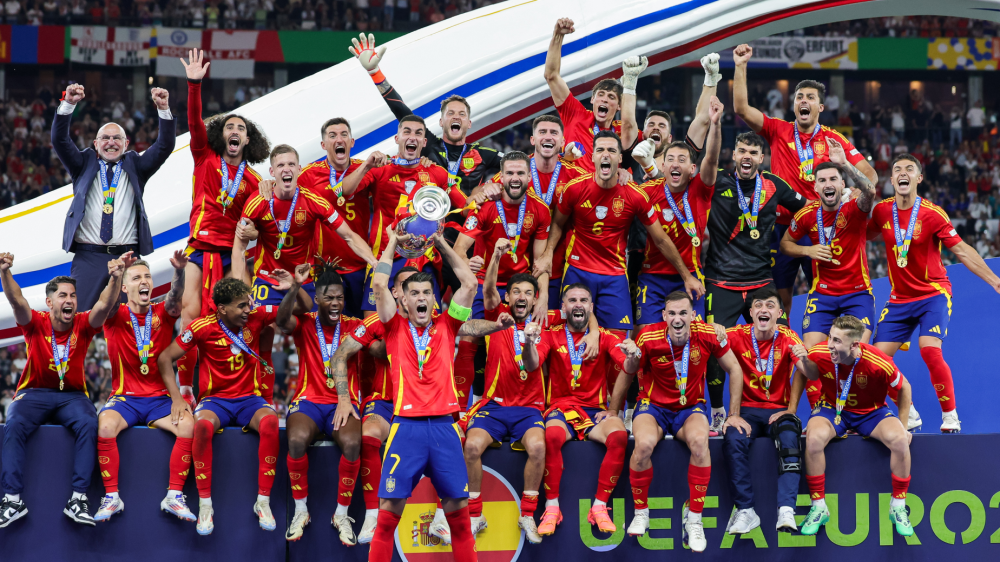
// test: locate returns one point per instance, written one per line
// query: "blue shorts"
(233, 411)
(368, 301)
(264, 293)
(822, 310)
(418, 446)
(381, 408)
(784, 269)
(506, 422)
(863, 424)
(591, 413)
(197, 257)
(320, 414)
(135, 410)
(354, 293)
(478, 311)
(899, 319)
(555, 293)
(651, 297)
(612, 300)
(669, 421)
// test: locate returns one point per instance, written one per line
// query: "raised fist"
(161, 98)
(6, 261)
(710, 63)
(74, 94)
(742, 54)
(564, 26)
(715, 108)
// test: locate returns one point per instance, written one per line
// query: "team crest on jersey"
(360, 331)
(247, 335)
(805, 322)
(841, 221)
(819, 147)
(668, 214)
(916, 229)
(862, 381)
(294, 407)
(300, 217)
(601, 212)
(695, 354)
(390, 484)
(408, 185)
(423, 177)
(529, 221)
(371, 297)
(471, 159)
(471, 222)
(187, 336)
(618, 205)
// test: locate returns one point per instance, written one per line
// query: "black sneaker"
(11, 511)
(78, 510)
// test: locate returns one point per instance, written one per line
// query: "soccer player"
(674, 356)
(136, 332)
(578, 399)
(602, 211)
(232, 370)
(738, 262)
(768, 355)
(53, 385)
(913, 229)
(468, 164)
(318, 335)
(224, 150)
(424, 438)
(856, 378)
(797, 149)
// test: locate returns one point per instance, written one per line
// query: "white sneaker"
(205, 524)
(110, 506)
(950, 422)
(786, 520)
(913, 421)
(262, 509)
(732, 519)
(478, 525)
(694, 533)
(527, 523)
(746, 520)
(298, 525)
(343, 525)
(440, 529)
(718, 420)
(367, 530)
(175, 505)
(640, 523)
(628, 419)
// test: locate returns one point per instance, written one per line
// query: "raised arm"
(710, 164)
(154, 157)
(553, 60)
(466, 293)
(350, 184)
(245, 232)
(699, 127)
(529, 353)
(491, 296)
(632, 67)
(480, 328)
(286, 310)
(972, 260)
(172, 304)
(358, 244)
(22, 310)
(63, 145)
(196, 71)
(542, 300)
(385, 305)
(370, 56)
(666, 246)
(108, 300)
(861, 180)
(741, 100)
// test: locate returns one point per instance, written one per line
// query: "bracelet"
(383, 268)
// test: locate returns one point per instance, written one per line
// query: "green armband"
(459, 312)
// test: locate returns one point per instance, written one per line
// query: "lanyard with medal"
(61, 361)
(750, 215)
(402, 162)
(518, 334)
(109, 191)
(420, 344)
(516, 237)
(229, 189)
(845, 388)
(283, 226)
(903, 239)
(142, 338)
(821, 229)
(806, 151)
(327, 349)
(237, 340)
(687, 219)
(336, 183)
(453, 166)
(770, 360)
(681, 371)
(575, 355)
(548, 194)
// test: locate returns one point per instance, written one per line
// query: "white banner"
(231, 53)
(110, 46)
(173, 43)
(806, 52)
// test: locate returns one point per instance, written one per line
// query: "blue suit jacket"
(83, 166)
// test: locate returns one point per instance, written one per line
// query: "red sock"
(554, 439)
(940, 372)
(383, 543)
(475, 506)
(463, 544)
(817, 486)
(813, 392)
(348, 473)
(529, 504)
(185, 368)
(899, 487)
(267, 454)
(267, 379)
(640, 480)
(611, 466)
(107, 456)
(202, 452)
(371, 470)
(465, 371)
(180, 462)
(298, 474)
(439, 504)
(698, 477)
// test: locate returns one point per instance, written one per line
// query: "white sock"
(112, 494)
(13, 497)
(371, 513)
(897, 502)
(204, 502)
(341, 509)
(266, 499)
(474, 495)
(173, 493)
(531, 492)
(599, 503)
(642, 511)
(300, 505)
(552, 503)
(718, 411)
(439, 513)
(694, 517)
(79, 496)
(820, 503)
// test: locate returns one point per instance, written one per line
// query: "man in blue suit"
(107, 217)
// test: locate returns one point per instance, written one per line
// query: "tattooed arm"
(861, 180)
(480, 328)
(173, 302)
(345, 408)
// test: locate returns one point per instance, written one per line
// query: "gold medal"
(269, 370)
(901, 261)
(341, 201)
(754, 233)
(684, 400)
(144, 369)
(835, 261)
(329, 383)
(810, 177)
(513, 257)
(767, 394)
(108, 209)
(61, 384)
(277, 254)
(695, 241)
(836, 420)
(524, 375)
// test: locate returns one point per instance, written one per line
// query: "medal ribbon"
(517, 345)
(142, 337)
(575, 353)
(327, 349)
(453, 166)
(770, 356)
(681, 371)
(404, 162)
(229, 189)
(805, 152)
(61, 361)
(237, 340)
(420, 344)
(750, 215)
(821, 229)
(536, 183)
(109, 192)
(283, 227)
(687, 219)
(846, 387)
(335, 182)
(520, 223)
(903, 239)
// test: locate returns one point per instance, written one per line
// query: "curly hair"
(325, 273)
(258, 148)
(228, 290)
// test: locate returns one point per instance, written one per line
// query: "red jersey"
(504, 383)
(391, 188)
(40, 370)
(312, 381)
(434, 392)
(126, 376)
(380, 388)
(755, 365)
(601, 222)
(310, 209)
(785, 161)
(534, 227)
(356, 212)
(579, 125)
(924, 275)
(226, 370)
(657, 376)
(874, 374)
(592, 391)
(700, 200)
(848, 237)
(211, 228)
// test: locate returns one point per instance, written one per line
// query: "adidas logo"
(367, 488)
(185, 473)
(936, 330)
(200, 477)
(944, 399)
(395, 179)
(587, 205)
(625, 320)
(269, 472)
(828, 375)
(296, 487)
(348, 494)
(105, 474)
(727, 193)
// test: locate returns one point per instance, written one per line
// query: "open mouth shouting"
(423, 310)
(144, 293)
(67, 311)
(521, 309)
(675, 175)
(287, 177)
(746, 168)
(602, 112)
(763, 319)
(804, 111)
(903, 182)
(830, 195)
(233, 143)
(333, 314)
(578, 316)
(655, 137)
(340, 149)
(678, 327)
(411, 146)
(605, 167)
(455, 128)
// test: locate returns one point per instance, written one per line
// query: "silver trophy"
(430, 205)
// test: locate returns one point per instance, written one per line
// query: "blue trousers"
(36, 406)
(736, 448)
(90, 269)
